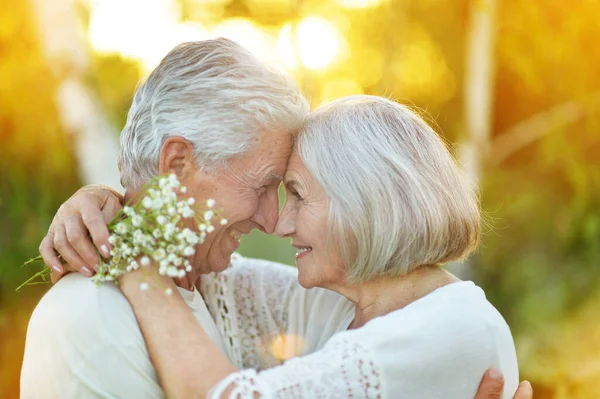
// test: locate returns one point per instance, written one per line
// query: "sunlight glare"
(358, 3)
(318, 42)
(286, 49)
(140, 29)
(249, 35)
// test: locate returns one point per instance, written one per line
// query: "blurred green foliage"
(539, 261)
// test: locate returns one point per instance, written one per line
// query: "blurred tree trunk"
(479, 87)
(63, 41)
(479, 90)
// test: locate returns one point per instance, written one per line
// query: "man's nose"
(267, 212)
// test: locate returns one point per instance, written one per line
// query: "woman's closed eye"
(296, 195)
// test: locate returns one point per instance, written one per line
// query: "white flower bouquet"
(152, 229)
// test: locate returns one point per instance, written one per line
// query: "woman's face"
(304, 219)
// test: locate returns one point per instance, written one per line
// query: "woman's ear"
(177, 156)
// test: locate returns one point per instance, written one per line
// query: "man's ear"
(177, 156)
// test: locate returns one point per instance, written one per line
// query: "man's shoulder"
(83, 341)
(75, 303)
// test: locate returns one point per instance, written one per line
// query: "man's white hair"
(216, 95)
(397, 197)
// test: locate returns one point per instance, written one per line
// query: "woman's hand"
(85, 214)
(492, 385)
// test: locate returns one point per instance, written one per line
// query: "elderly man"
(223, 122)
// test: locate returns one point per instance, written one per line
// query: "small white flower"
(183, 190)
(157, 233)
(191, 201)
(157, 203)
(137, 220)
(159, 254)
(147, 202)
(171, 211)
(169, 228)
(127, 210)
(160, 219)
(144, 286)
(210, 203)
(188, 251)
(168, 292)
(111, 240)
(223, 222)
(181, 273)
(172, 271)
(202, 227)
(173, 182)
(208, 215)
(121, 228)
(188, 268)
(210, 229)
(187, 213)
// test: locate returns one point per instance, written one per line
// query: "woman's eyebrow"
(290, 183)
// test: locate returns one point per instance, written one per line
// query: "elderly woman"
(375, 204)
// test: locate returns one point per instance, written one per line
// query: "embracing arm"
(187, 361)
(189, 364)
(87, 211)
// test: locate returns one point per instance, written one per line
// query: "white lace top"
(437, 347)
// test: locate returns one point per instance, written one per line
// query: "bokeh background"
(513, 85)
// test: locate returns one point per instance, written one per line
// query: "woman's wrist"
(146, 280)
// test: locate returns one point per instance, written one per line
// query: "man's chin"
(220, 263)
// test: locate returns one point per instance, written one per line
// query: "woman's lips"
(302, 251)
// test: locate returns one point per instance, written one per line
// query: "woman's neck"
(380, 297)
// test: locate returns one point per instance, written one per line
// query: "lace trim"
(248, 324)
(343, 369)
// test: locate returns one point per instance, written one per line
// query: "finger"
(79, 240)
(491, 385)
(48, 254)
(525, 391)
(94, 220)
(62, 246)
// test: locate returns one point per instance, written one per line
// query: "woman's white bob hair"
(397, 198)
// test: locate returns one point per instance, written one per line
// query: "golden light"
(318, 42)
(286, 346)
(249, 35)
(340, 87)
(139, 29)
(358, 3)
(286, 49)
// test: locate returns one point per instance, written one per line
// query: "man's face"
(246, 191)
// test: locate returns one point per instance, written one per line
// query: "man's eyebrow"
(273, 178)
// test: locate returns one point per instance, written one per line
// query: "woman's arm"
(187, 361)
(189, 364)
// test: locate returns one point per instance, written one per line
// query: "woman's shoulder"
(456, 318)
(451, 335)
(457, 311)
